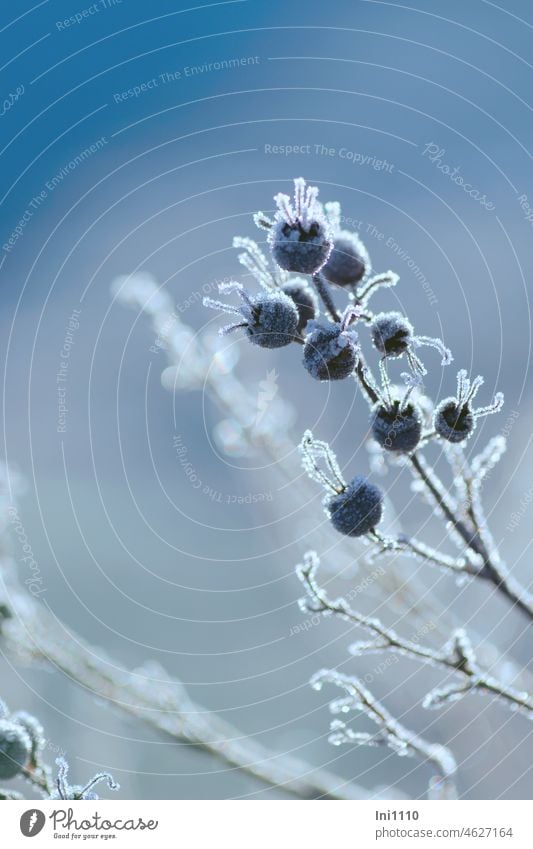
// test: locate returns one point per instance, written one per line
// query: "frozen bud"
(397, 427)
(305, 300)
(15, 749)
(331, 350)
(300, 238)
(273, 320)
(329, 353)
(356, 510)
(270, 319)
(391, 333)
(348, 262)
(453, 422)
(455, 419)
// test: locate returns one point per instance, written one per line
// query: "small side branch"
(457, 656)
(390, 732)
(472, 535)
(404, 544)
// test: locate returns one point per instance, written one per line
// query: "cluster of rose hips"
(306, 238)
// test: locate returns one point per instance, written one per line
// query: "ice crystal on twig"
(65, 790)
(390, 732)
(300, 237)
(384, 280)
(457, 656)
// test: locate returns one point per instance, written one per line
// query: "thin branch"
(391, 732)
(406, 544)
(472, 536)
(457, 656)
(363, 375)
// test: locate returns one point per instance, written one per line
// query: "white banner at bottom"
(263, 824)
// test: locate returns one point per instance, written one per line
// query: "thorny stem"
(471, 535)
(453, 660)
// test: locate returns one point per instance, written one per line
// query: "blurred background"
(142, 138)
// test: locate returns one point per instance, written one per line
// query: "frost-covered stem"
(38, 776)
(511, 589)
(473, 539)
(361, 369)
(492, 568)
(461, 566)
(467, 534)
(323, 290)
(361, 373)
(388, 640)
(472, 536)
(391, 732)
(164, 705)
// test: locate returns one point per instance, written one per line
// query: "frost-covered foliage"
(306, 238)
(22, 756)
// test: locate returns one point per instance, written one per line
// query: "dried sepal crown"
(355, 508)
(65, 790)
(299, 236)
(455, 418)
(270, 319)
